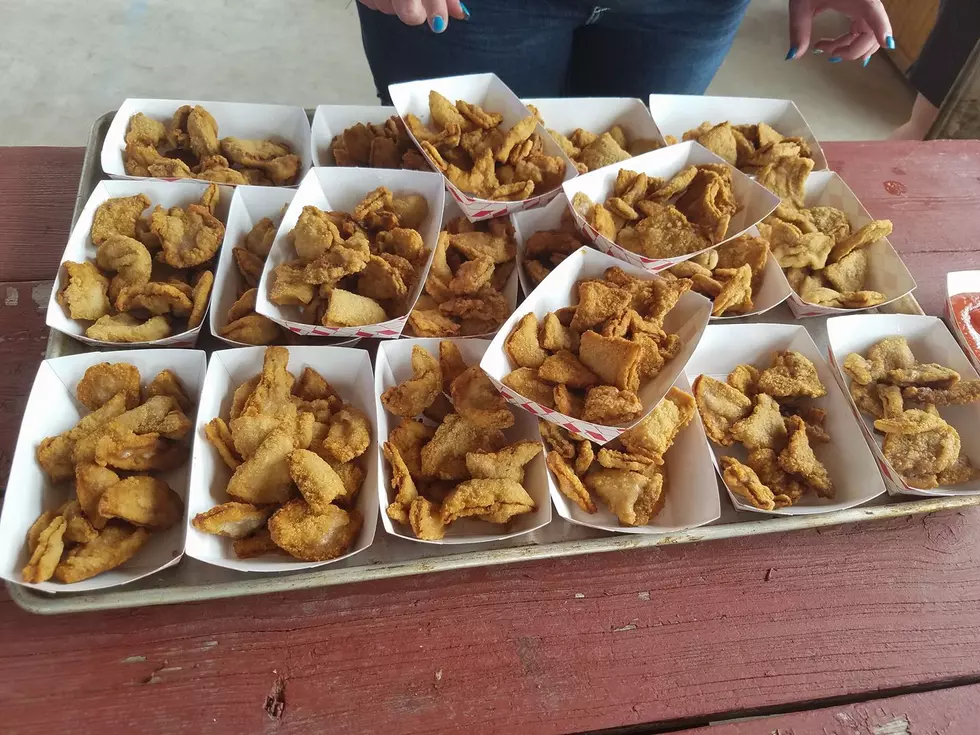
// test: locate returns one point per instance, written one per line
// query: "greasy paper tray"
(931, 342)
(235, 119)
(675, 114)
(349, 372)
(597, 115)
(52, 409)
(851, 466)
(341, 189)
(80, 248)
(755, 202)
(492, 95)
(393, 365)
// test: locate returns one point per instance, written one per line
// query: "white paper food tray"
(332, 120)
(959, 282)
(52, 409)
(341, 189)
(394, 365)
(80, 248)
(597, 115)
(282, 123)
(692, 490)
(887, 272)
(675, 114)
(687, 319)
(847, 457)
(930, 342)
(755, 202)
(349, 372)
(492, 95)
(528, 222)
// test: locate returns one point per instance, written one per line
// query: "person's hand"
(417, 12)
(870, 29)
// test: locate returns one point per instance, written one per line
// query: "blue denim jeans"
(559, 48)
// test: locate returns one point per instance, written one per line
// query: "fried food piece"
(493, 500)
(444, 456)
(139, 452)
(46, 553)
(349, 434)
(128, 258)
(143, 501)
(635, 498)
(252, 329)
(745, 379)
(923, 375)
(506, 464)
(451, 363)
(786, 488)
(861, 370)
(408, 438)
(792, 375)
(199, 299)
(166, 383)
(202, 131)
(155, 298)
(347, 309)
(912, 421)
(867, 235)
(317, 481)
(124, 328)
(787, 178)
(798, 459)
(526, 382)
(607, 405)
(264, 476)
(254, 545)
(218, 433)
(616, 460)
(117, 216)
(962, 470)
(91, 481)
(401, 482)
(849, 273)
(310, 536)
(615, 360)
(272, 390)
(103, 381)
(925, 453)
(960, 394)
(189, 237)
(721, 406)
(425, 518)
(744, 482)
(564, 368)
(598, 301)
(736, 292)
(232, 519)
(522, 344)
(411, 397)
(476, 399)
(84, 293)
(763, 428)
(569, 484)
(79, 530)
(114, 546)
(655, 434)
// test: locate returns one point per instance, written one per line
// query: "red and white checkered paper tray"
(80, 248)
(961, 282)
(492, 95)
(341, 189)
(687, 319)
(393, 365)
(52, 409)
(597, 114)
(349, 372)
(847, 457)
(330, 121)
(675, 114)
(931, 342)
(692, 489)
(755, 202)
(281, 123)
(887, 272)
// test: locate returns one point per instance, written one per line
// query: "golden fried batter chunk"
(569, 484)
(310, 536)
(349, 435)
(444, 456)
(607, 405)
(118, 216)
(654, 435)
(791, 375)
(232, 519)
(143, 501)
(103, 381)
(635, 498)
(84, 294)
(190, 237)
(114, 546)
(46, 553)
(798, 459)
(744, 482)
(720, 406)
(495, 500)
(411, 397)
(505, 464)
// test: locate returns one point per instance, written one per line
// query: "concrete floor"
(64, 63)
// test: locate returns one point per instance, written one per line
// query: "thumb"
(800, 26)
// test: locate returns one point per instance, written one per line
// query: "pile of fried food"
(545, 249)
(903, 396)
(631, 480)
(664, 219)
(378, 146)
(590, 151)
(588, 361)
(825, 260)
(749, 148)
(479, 157)
(243, 323)
(110, 456)
(151, 277)
(464, 290)
(770, 412)
(460, 464)
(293, 448)
(189, 148)
(357, 268)
(730, 275)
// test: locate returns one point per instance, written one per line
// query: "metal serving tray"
(192, 581)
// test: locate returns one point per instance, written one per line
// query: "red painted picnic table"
(871, 628)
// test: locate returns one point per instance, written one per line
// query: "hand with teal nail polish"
(870, 29)
(416, 12)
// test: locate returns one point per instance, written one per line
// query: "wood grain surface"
(676, 636)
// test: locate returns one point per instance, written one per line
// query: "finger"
(862, 46)
(800, 27)
(458, 10)
(830, 45)
(877, 19)
(437, 14)
(409, 12)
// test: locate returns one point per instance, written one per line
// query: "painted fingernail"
(792, 53)
(466, 11)
(438, 24)
(890, 43)
(835, 59)
(818, 51)
(866, 61)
